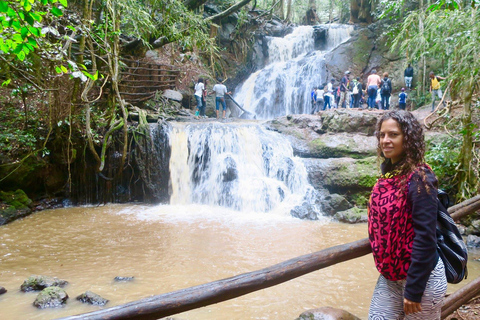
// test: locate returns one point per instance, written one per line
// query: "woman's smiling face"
(391, 140)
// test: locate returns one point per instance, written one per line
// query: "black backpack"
(450, 245)
(386, 86)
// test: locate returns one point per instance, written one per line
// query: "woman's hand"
(411, 307)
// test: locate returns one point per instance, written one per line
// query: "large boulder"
(37, 283)
(173, 95)
(329, 134)
(306, 211)
(51, 297)
(343, 175)
(327, 313)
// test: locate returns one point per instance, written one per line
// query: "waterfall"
(294, 68)
(239, 166)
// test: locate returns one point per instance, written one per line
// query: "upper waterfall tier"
(294, 68)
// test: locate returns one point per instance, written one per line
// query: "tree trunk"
(289, 10)
(466, 177)
(311, 17)
(360, 11)
(280, 9)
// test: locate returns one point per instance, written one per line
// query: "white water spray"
(240, 166)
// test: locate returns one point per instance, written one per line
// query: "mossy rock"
(51, 297)
(18, 199)
(36, 283)
(352, 215)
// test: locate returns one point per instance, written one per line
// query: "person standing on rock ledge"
(220, 90)
(402, 219)
(199, 87)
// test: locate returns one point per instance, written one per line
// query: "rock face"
(331, 134)
(92, 298)
(51, 297)
(327, 313)
(37, 283)
(339, 150)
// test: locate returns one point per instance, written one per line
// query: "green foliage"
(177, 24)
(22, 23)
(443, 158)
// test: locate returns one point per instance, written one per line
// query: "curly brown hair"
(413, 139)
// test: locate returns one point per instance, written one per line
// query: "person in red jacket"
(402, 216)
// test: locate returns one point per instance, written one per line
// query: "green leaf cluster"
(21, 24)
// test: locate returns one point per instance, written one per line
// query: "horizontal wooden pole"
(460, 297)
(167, 304)
(142, 75)
(465, 203)
(464, 208)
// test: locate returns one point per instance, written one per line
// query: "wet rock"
(122, 279)
(92, 298)
(231, 172)
(305, 211)
(9, 213)
(473, 241)
(473, 228)
(50, 203)
(37, 283)
(352, 215)
(51, 297)
(327, 313)
(2, 290)
(332, 203)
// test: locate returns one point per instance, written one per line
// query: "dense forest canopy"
(60, 66)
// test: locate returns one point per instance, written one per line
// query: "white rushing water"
(294, 69)
(239, 166)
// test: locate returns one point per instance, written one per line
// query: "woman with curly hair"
(402, 215)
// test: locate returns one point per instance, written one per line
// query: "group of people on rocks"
(348, 94)
(201, 93)
(377, 93)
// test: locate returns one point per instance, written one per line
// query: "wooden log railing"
(167, 304)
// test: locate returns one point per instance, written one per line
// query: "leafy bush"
(443, 158)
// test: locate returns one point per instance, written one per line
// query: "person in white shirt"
(319, 93)
(199, 87)
(220, 90)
